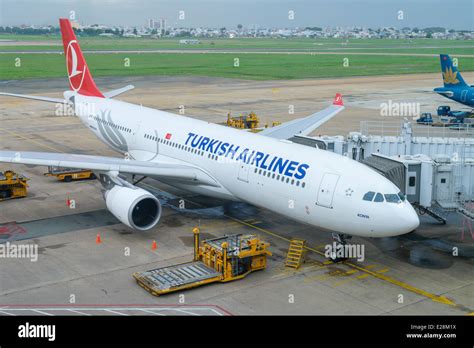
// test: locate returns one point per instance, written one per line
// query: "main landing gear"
(338, 250)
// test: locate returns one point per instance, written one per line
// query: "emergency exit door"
(327, 189)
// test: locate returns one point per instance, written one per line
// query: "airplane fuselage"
(309, 185)
(463, 95)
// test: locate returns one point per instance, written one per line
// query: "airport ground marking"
(380, 276)
(436, 298)
(30, 140)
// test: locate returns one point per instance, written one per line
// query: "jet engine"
(134, 207)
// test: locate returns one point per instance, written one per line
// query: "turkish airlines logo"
(76, 69)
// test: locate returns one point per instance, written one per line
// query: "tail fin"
(451, 75)
(80, 78)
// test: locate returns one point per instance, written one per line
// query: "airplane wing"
(178, 172)
(109, 94)
(116, 92)
(304, 126)
(35, 97)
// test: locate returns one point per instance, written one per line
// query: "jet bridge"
(391, 169)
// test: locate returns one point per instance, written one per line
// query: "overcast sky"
(457, 14)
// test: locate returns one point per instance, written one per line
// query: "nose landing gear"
(338, 251)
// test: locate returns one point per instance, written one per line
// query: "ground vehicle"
(443, 110)
(425, 118)
(244, 121)
(70, 174)
(12, 185)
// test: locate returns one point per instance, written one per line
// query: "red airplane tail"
(80, 78)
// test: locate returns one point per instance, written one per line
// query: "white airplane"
(309, 185)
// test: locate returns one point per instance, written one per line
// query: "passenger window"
(369, 196)
(378, 198)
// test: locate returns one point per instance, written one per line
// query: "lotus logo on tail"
(450, 76)
(75, 68)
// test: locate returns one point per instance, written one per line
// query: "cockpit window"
(392, 198)
(402, 196)
(378, 198)
(369, 196)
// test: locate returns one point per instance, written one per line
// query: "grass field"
(252, 65)
(428, 46)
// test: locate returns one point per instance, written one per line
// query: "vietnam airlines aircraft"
(454, 86)
(306, 184)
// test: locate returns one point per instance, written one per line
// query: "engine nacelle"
(135, 208)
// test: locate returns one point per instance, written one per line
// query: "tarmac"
(74, 275)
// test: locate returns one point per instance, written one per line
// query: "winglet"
(338, 100)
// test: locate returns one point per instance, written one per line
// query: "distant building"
(75, 24)
(189, 42)
(151, 23)
(163, 26)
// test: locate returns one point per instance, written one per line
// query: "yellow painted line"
(342, 282)
(383, 270)
(30, 140)
(362, 276)
(436, 298)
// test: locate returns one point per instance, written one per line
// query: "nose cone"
(409, 219)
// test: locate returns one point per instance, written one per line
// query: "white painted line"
(186, 312)
(41, 312)
(152, 312)
(7, 313)
(216, 311)
(112, 311)
(81, 313)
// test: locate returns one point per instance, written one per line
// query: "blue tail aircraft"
(454, 86)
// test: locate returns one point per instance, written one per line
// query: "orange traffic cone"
(153, 245)
(98, 240)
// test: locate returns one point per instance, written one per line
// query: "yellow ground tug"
(215, 260)
(70, 174)
(12, 185)
(244, 121)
